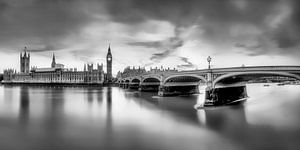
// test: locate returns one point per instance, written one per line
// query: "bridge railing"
(224, 70)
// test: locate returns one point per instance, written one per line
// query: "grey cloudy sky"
(150, 33)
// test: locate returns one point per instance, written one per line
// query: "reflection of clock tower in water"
(109, 65)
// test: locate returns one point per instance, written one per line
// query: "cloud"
(286, 38)
(169, 46)
(217, 19)
(152, 28)
(249, 47)
(45, 48)
(38, 23)
(150, 44)
(170, 43)
(161, 55)
(188, 64)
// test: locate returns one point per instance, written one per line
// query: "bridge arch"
(135, 80)
(261, 73)
(182, 76)
(151, 79)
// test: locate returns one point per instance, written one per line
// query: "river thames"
(62, 118)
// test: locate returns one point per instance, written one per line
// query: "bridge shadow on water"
(183, 107)
(228, 122)
(179, 106)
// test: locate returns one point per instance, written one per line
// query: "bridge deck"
(150, 83)
(203, 72)
(181, 84)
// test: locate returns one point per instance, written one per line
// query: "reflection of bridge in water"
(218, 81)
(1, 77)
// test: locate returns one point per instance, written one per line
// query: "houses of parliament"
(57, 73)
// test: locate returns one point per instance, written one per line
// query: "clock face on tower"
(109, 59)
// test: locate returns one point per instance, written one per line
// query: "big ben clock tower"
(109, 65)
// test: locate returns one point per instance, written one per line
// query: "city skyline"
(178, 33)
(149, 74)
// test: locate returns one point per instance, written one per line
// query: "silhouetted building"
(55, 74)
(129, 72)
(109, 65)
(53, 61)
(24, 61)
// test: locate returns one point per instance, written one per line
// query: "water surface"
(44, 117)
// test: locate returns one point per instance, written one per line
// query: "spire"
(53, 57)
(25, 49)
(53, 61)
(109, 51)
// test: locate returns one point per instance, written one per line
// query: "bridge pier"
(149, 88)
(224, 95)
(134, 86)
(121, 85)
(126, 85)
(177, 90)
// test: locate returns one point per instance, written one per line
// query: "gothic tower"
(53, 61)
(24, 62)
(109, 64)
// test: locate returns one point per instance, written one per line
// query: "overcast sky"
(150, 33)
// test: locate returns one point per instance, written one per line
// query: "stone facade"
(54, 74)
(130, 72)
(24, 62)
(109, 77)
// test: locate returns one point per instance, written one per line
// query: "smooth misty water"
(62, 118)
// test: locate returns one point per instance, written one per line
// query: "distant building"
(24, 62)
(57, 73)
(53, 64)
(109, 65)
(129, 72)
(59, 66)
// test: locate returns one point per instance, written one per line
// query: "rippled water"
(42, 117)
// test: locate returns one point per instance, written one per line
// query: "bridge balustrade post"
(202, 99)
(161, 88)
(140, 84)
(209, 80)
(209, 76)
(209, 87)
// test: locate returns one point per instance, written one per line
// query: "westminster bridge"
(187, 82)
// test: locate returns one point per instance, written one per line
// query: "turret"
(53, 61)
(24, 61)
(109, 64)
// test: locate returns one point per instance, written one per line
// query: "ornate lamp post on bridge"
(209, 73)
(209, 89)
(208, 60)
